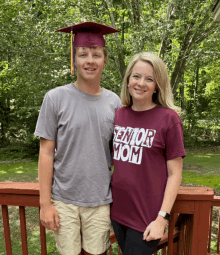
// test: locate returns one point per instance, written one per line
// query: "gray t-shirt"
(81, 130)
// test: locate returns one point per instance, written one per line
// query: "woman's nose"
(141, 82)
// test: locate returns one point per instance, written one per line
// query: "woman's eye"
(135, 76)
(149, 79)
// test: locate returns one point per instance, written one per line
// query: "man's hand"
(155, 229)
(49, 217)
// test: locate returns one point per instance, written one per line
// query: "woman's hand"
(155, 229)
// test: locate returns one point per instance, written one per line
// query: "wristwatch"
(165, 215)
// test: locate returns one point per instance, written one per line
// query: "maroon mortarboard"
(87, 34)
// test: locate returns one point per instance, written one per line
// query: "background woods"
(35, 59)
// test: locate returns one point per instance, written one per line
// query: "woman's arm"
(155, 229)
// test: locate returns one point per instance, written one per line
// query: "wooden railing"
(187, 231)
(214, 203)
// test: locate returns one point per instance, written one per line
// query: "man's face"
(89, 63)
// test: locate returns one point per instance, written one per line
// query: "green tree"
(35, 59)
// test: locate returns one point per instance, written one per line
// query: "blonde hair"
(163, 95)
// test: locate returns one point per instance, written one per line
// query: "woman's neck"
(138, 106)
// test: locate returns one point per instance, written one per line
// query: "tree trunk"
(128, 7)
(194, 35)
(196, 81)
(164, 43)
(182, 89)
(117, 41)
(136, 11)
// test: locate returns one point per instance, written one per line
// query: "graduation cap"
(87, 34)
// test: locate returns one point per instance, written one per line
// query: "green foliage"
(28, 149)
(10, 153)
(35, 59)
(201, 133)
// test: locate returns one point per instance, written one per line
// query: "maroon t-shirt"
(143, 142)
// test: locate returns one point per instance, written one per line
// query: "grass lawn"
(199, 169)
(202, 169)
(20, 171)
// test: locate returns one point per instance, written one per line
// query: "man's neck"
(92, 87)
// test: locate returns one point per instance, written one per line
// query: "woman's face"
(142, 83)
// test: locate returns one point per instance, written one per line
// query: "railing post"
(6, 229)
(170, 234)
(164, 251)
(110, 250)
(210, 229)
(23, 230)
(218, 233)
(200, 227)
(42, 238)
(119, 250)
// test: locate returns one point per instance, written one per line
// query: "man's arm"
(48, 214)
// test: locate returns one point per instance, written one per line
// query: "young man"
(75, 126)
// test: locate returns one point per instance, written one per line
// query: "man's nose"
(90, 58)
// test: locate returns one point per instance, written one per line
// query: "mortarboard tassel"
(72, 53)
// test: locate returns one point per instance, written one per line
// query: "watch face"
(163, 214)
(168, 216)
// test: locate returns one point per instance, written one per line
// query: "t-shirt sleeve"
(47, 120)
(174, 142)
(118, 103)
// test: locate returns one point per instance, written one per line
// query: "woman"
(148, 156)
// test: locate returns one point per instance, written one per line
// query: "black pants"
(131, 241)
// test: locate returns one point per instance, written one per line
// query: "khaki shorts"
(82, 227)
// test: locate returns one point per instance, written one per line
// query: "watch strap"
(165, 215)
